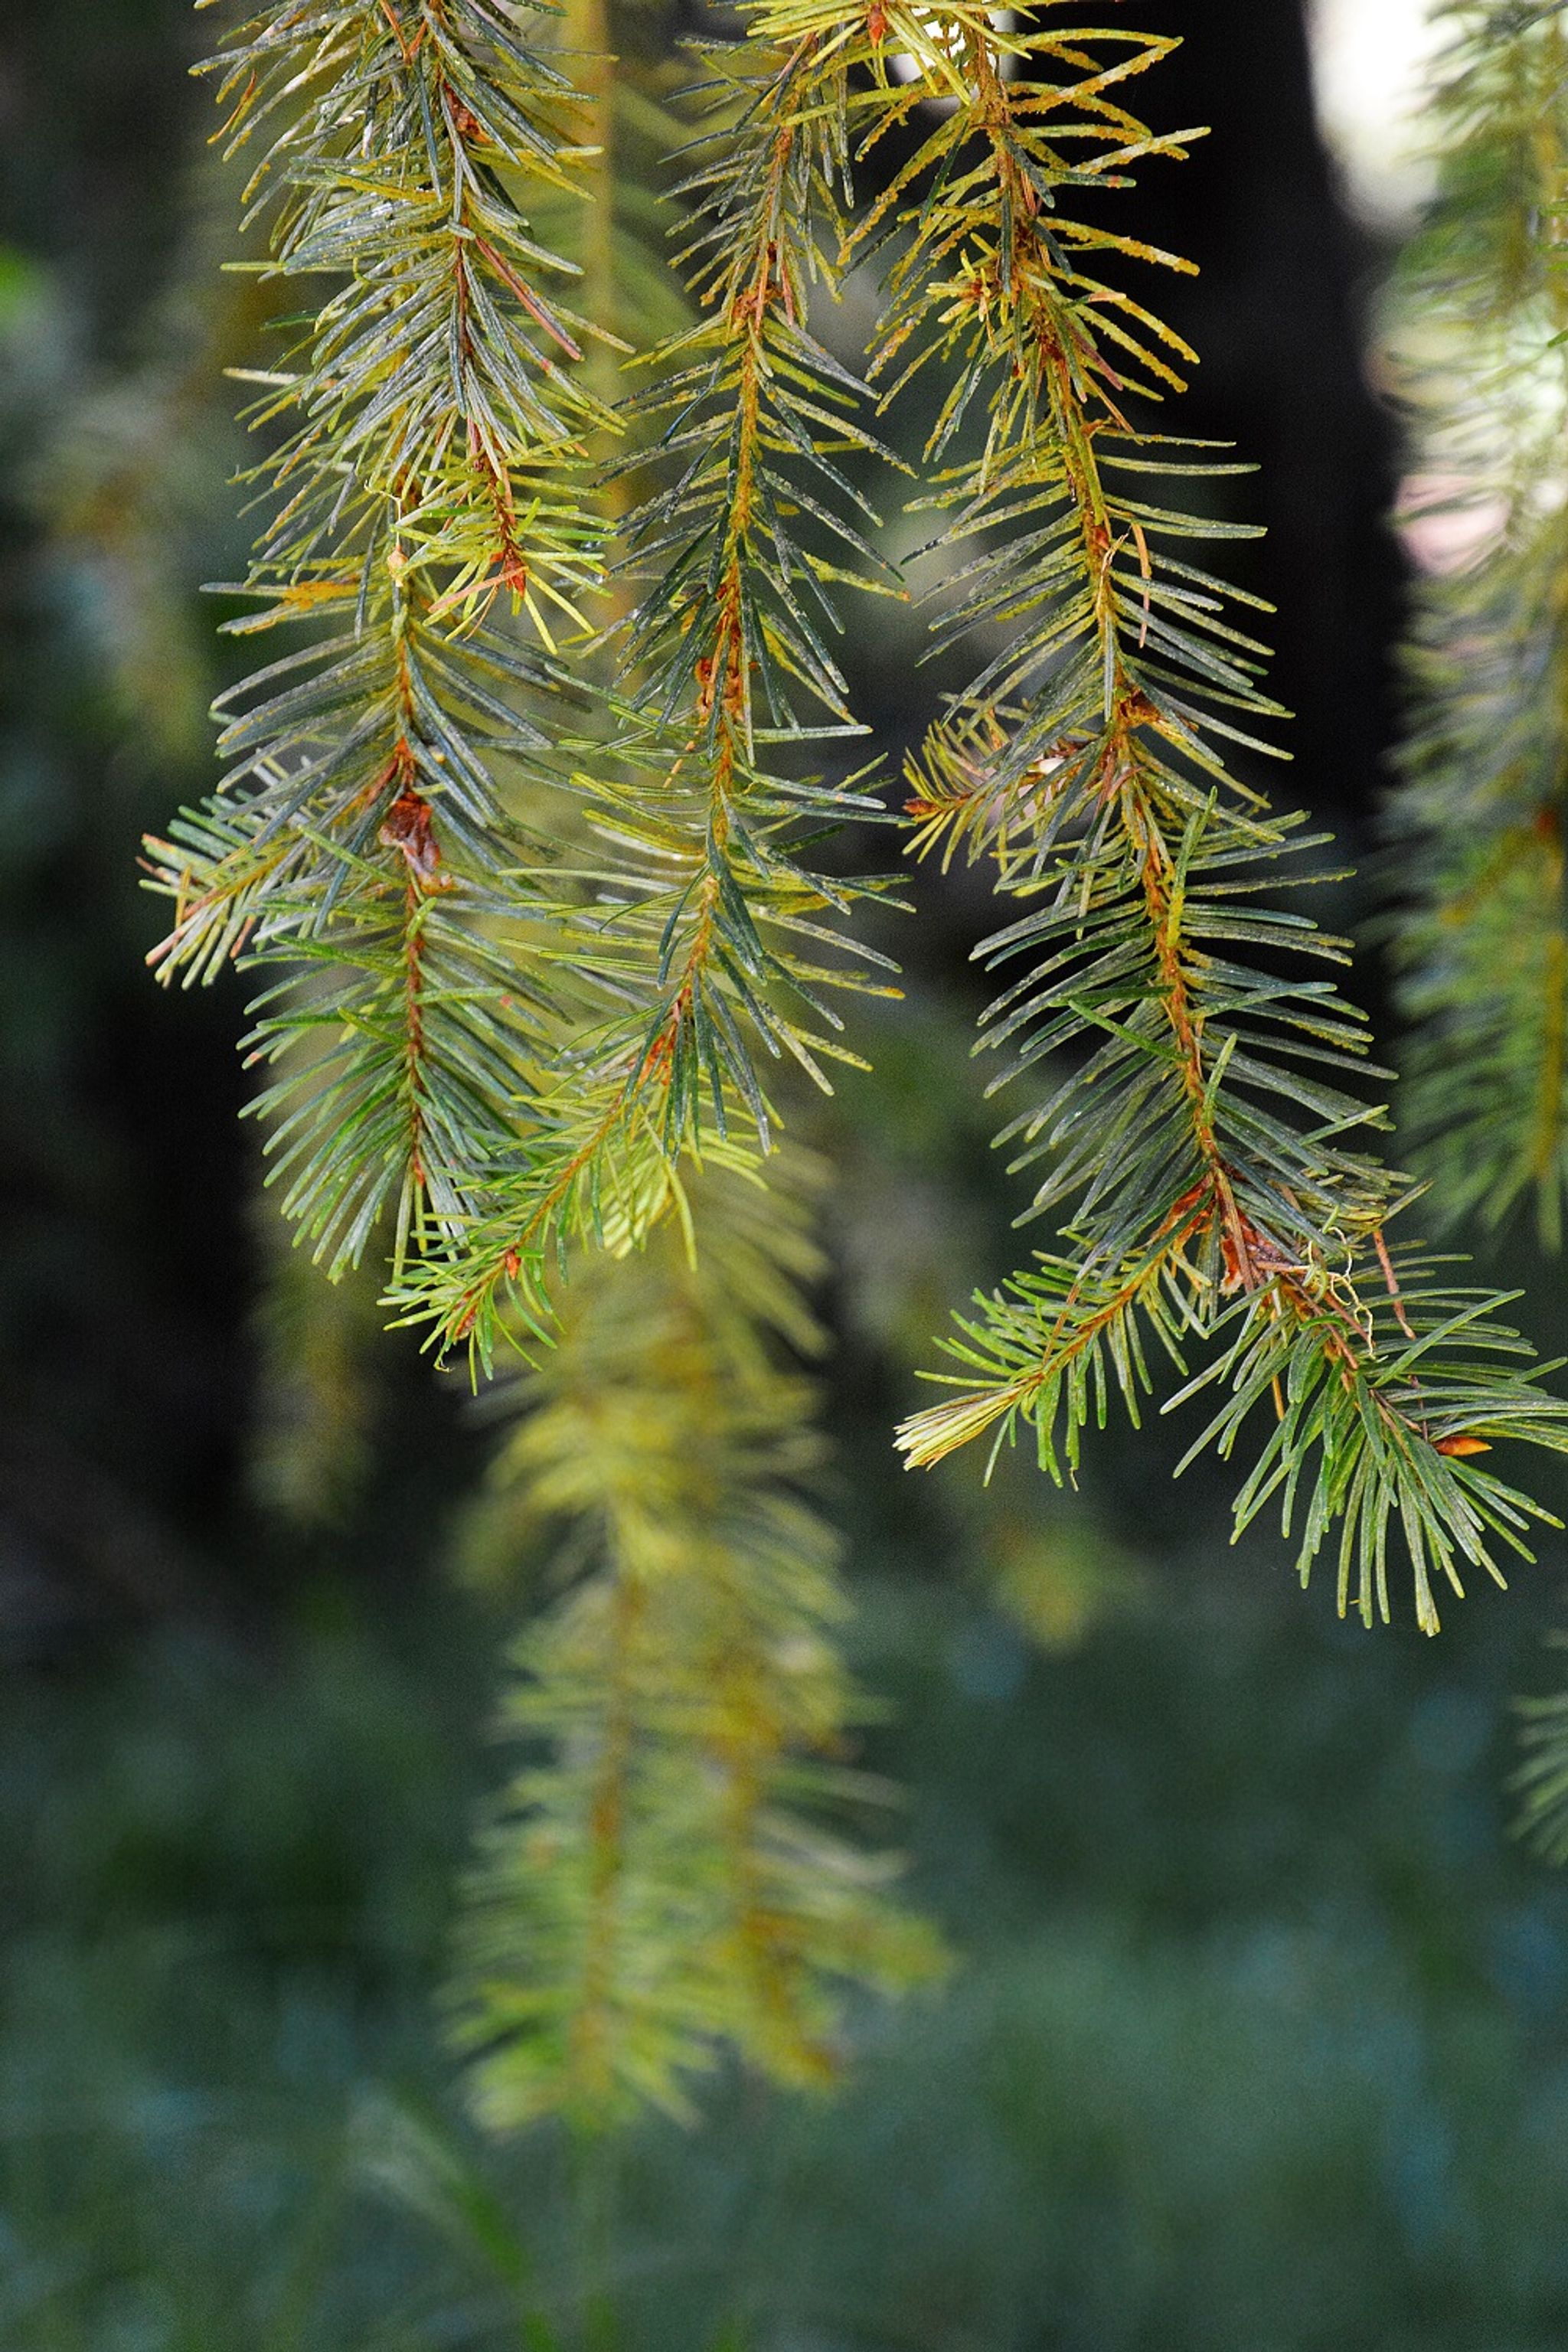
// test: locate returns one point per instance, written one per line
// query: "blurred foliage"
(667, 1877)
(1260, 2040)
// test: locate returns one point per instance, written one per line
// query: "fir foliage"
(516, 929)
(1206, 1147)
(1482, 310)
(430, 471)
(541, 942)
(667, 1876)
(664, 1877)
(702, 904)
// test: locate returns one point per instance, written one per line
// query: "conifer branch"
(665, 1879)
(722, 941)
(669, 1880)
(1481, 935)
(1206, 1151)
(431, 472)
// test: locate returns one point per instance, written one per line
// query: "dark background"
(1256, 2041)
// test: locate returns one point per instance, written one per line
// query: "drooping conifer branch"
(1482, 934)
(430, 476)
(699, 903)
(665, 1879)
(669, 1880)
(1205, 1146)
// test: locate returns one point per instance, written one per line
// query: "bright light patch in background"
(908, 68)
(1370, 61)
